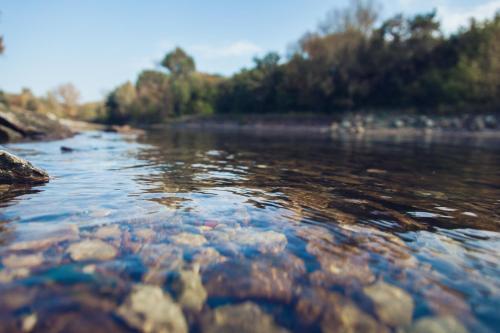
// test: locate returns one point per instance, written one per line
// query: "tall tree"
(179, 63)
(69, 96)
(360, 16)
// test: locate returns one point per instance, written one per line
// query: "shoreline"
(347, 125)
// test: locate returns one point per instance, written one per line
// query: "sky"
(98, 44)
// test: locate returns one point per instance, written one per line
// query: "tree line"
(353, 60)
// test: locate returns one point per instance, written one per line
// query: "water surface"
(226, 230)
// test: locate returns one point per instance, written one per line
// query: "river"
(220, 231)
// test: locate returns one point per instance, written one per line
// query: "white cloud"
(236, 49)
(453, 17)
(452, 13)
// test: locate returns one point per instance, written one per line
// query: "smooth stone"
(20, 261)
(47, 238)
(8, 275)
(208, 256)
(14, 169)
(29, 322)
(110, 231)
(186, 238)
(145, 234)
(150, 310)
(165, 256)
(446, 324)
(264, 241)
(334, 312)
(91, 250)
(269, 278)
(393, 305)
(242, 318)
(349, 318)
(189, 290)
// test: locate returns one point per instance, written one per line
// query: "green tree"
(119, 102)
(179, 63)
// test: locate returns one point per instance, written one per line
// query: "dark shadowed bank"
(345, 124)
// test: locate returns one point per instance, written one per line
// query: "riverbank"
(19, 125)
(346, 124)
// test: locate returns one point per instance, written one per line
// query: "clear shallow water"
(296, 234)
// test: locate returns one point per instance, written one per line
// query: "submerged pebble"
(145, 234)
(150, 310)
(20, 261)
(111, 231)
(393, 305)
(8, 275)
(91, 250)
(242, 318)
(189, 289)
(446, 324)
(189, 239)
(47, 238)
(29, 322)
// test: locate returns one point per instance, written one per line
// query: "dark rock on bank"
(14, 169)
(22, 125)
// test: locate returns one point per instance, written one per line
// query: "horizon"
(60, 45)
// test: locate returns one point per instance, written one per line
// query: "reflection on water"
(217, 232)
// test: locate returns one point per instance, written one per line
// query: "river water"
(221, 232)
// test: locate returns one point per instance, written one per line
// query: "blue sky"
(97, 44)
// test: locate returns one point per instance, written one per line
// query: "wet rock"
(264, 241)
(108, 232)
(446, 302)
(161, 260)
(208, 256)
(188, 289)
(28, 322)
(242, 318)
(475, 124)
(162, 256)
(65, 149)
(393, 305)
(342, 315)
(14, 169)
(8, 275)
(247, 237)
(30, 125)
(269, 278)
(446, 324)
(397, 123)
(186, 238)
(77, 321)
(20, 261)
(9, 135)
(490, 122)
(340, 264)
(47, 236)
(91, 250)
(145, 234)
(148, 309)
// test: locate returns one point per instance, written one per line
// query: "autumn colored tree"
(68, 96)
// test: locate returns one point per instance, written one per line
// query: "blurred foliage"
(158, 95)
(352, 61)
(62, 102)
(349, 62)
